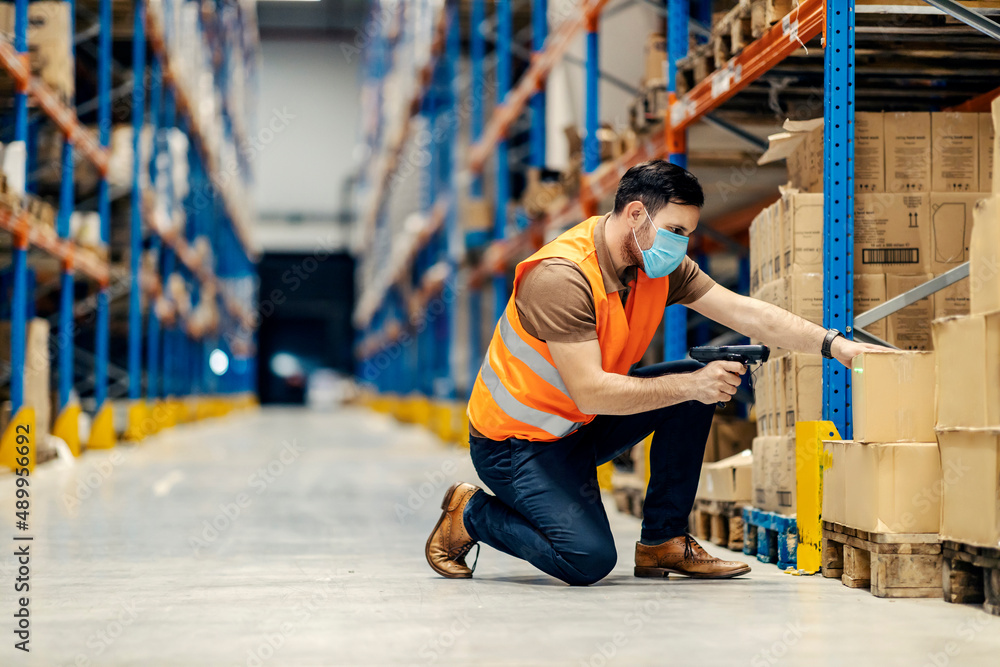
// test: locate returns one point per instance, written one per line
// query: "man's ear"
(634, 213)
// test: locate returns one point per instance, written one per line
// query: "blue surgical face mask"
(666, 253)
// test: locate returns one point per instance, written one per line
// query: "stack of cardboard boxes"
(917, 179)
(968, 390)
(888, 478)
(726, 475)
(786, 251)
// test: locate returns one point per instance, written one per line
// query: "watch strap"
(828, 343)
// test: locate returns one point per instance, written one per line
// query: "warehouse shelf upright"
(216, 211)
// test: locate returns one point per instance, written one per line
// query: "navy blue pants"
(547, 506)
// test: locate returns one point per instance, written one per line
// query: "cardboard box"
(766, 246)
(995, 108)
(869, 152)
(984, 257)
(782, 297)
(893, 396)
(775, 398)
(763, 402)
(774, 473)
(760, 450)
(728, 436)
(800, 144)
(834, 481)
(781, 476)
(970, 499)
(891, 233)
(954, 152)
(655, 58)
(907, 152)
(951, 228)
(803, 388)
(892, 487)
(804, 294)
(805, 162)
(968, 371)
(952, 300)
(869, 291)
(986, 138)
(49, 53)
(777, 214)
(477, 215)
(729, 480)
(910, 328)
(802, 232)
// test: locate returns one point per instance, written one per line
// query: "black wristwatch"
(828, 342)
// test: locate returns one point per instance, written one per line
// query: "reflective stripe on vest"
(554, 425)
(529, 356)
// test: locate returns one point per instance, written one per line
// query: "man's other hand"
(717, 381)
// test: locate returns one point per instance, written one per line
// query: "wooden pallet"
(892, 565)
(765, 13)
(772, 537)
(719, 522)
(971, 574)
(731, 32)
(697, 65)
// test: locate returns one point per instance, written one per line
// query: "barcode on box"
(890, 256)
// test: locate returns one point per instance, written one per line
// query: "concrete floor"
(316, 558)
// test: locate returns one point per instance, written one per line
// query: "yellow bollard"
(604, 472)
(136, 428)
(67, 427)
(442, 420)
(19, 442)
(646, 445)
(809, 465)
(460, 424)
(102, 432)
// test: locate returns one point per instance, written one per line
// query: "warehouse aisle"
(292, 538)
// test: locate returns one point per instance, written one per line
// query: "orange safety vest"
(518, 392)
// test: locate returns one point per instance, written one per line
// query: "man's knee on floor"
(590, 564)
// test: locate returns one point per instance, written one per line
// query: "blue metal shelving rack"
(177, 364)
(838, 204)
(381, 313)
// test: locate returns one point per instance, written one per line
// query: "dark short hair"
(657, 183)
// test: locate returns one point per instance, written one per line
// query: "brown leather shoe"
(449, 541)
(683, 555)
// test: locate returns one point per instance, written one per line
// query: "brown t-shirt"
(555, 302)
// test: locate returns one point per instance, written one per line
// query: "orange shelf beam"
(65, 118)
(593, 188)
(534, 77)
(784, 38)
(74, 257)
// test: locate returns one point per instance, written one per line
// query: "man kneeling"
(557, 395)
